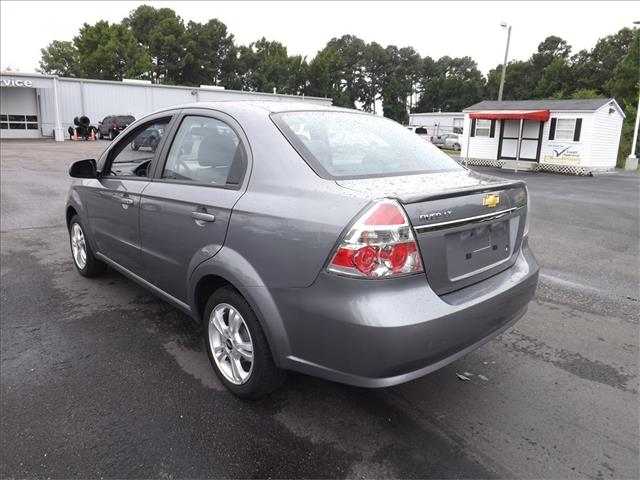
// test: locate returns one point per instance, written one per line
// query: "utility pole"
(632, 160)
(504, 64)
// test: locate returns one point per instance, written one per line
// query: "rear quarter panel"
(289, 220)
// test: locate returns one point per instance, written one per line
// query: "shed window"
(565, 127)
(483, 128)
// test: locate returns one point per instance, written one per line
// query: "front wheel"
(83, 258)
(237, 346)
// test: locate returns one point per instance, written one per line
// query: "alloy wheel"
(230, 343)
(78, 246)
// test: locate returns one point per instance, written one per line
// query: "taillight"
(379, 244)
(114, 125)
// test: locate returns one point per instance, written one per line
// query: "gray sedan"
(321, 240)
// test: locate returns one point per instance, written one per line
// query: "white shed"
(566, 136)
(438, 123)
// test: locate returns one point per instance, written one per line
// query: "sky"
(432, 28)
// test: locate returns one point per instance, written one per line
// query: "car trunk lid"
(468, 226)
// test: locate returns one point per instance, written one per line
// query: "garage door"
(18, 113)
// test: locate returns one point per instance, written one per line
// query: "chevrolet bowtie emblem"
(490, 200)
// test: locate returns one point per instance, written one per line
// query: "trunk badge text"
(490, 200)
(427, 217)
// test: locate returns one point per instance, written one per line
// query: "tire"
(111, 135)
(91, 267)
(260, 376)
(100, 137)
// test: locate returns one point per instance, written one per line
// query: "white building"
(438, 123)
(36, 106)
(567, 136)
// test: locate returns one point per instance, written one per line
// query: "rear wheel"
(237, 346)
(112, 135)
(83, 258)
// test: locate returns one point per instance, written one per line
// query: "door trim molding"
(150, 286)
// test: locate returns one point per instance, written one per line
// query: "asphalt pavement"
(99, 378)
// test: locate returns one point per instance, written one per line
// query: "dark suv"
(112, 125)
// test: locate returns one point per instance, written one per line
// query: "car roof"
(270, 106)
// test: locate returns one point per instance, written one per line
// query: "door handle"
(203, 217)
(126, 201)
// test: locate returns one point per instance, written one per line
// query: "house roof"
(588, 105)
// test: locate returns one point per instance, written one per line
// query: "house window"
(565, 128)
(483, 128)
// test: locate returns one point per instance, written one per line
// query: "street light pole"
(504, 64)
(632, 160)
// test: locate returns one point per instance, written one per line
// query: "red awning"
(539, 115)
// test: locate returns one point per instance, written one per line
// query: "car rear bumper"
(378, 333)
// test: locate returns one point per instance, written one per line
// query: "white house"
(438, 123)
(567, 136)
(36, 106)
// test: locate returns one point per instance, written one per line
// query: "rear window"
(125, 119)
(356, 145)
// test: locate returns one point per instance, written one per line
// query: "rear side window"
(355, 145)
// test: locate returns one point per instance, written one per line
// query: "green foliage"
(59, 58)
(455, 83)
(585, 93)
(110, 52)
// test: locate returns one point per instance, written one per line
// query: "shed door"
(18, 113)
(529, 142)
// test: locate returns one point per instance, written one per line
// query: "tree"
(326, 76)
(110, 52)
(266, 66)
(59, 58)
(210, 54)
(374, 70)
(624, 86)
(456, 83)
(162, 33)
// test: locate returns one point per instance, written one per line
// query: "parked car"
(447, 140)
(321, 240)
(421, 132)
(112, 125)
(453, 141)
(149, 138)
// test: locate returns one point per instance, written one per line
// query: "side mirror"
(84, 169)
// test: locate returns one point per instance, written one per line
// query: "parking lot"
(99, 378)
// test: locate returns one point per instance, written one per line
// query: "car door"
(185, 210)
(113, 200)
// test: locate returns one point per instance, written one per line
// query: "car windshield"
(354, 145)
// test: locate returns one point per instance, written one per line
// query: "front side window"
(565, 128)
(483, 128)
(134, 155)
(356, 145)
(205, 151)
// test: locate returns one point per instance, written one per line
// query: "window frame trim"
(573, 130)
(216, 115)
(106, 160)
(488, 129)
